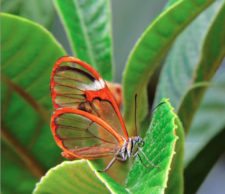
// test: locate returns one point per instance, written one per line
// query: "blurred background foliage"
(129, 20)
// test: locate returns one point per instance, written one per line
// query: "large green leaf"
(32, 9)
(209, 119)
(212, 55)
(87, 24)
(178, 74)
(77, 177)
(150, 50)
(177, 77)
(205, 141)
(28, 54)
(160, 143)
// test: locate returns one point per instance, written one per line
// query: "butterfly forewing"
(69, 83)
(105, 111)
(76, 85)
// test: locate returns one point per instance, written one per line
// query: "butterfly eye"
(141, 143)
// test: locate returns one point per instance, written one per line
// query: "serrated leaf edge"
(174, 143)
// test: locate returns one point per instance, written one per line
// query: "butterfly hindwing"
(79, 134)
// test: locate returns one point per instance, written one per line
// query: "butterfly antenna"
(135, 113)
(161, 103)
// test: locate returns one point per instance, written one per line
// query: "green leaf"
(178, 74)
(151, 48)
(87, 24)
(177, 77)
(176, 177)
(203, 162)
(28, 54)
(205, 141)
(77, 177)
(209, 119)
(171, 2)
(15, 176)
(212, 54)
(160, 142)
(40, 11)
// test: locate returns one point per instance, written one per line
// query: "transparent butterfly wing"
(77, 85)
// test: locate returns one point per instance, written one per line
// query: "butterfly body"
(127, 150)
(87, 122)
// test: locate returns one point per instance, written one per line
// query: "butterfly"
(86, 122)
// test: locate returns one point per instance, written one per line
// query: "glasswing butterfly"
(86, 122)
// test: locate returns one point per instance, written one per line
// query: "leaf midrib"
(85, 33)
(42, 112)
(34, 167)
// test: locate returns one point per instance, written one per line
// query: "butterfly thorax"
(129, 148)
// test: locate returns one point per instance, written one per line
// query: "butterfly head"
(138, 141)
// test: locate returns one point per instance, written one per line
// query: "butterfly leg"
(153, 110)
(149, 162)
(109, 165)
(135, 154)
(142, 161)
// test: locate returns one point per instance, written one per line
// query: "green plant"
(188, 36)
